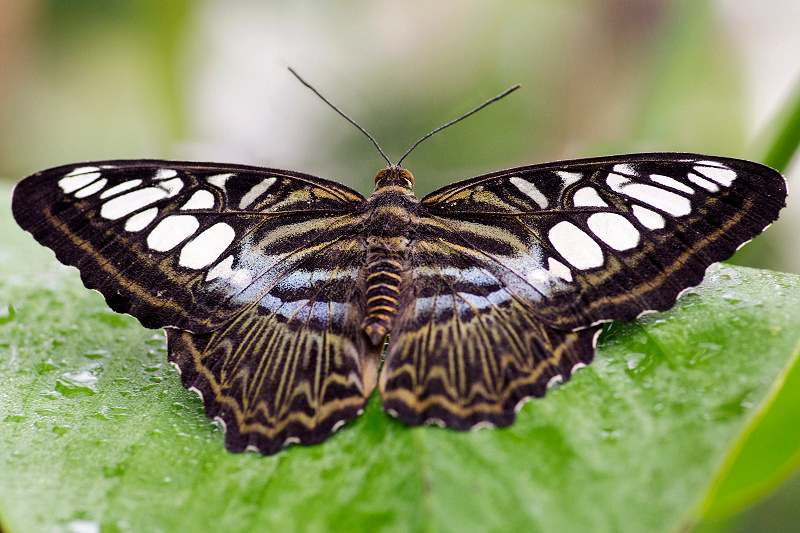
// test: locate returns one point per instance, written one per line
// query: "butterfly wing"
(293, 366)
(511, 272)
(467, 348)
(604, 239)
(180, 244)
(259, 267)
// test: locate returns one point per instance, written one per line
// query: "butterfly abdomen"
(384, 271)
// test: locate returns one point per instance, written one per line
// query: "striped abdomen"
(384, 269)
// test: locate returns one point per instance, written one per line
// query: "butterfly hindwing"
(175, 244)
(466, 348)
(608, 238)
(293, 366)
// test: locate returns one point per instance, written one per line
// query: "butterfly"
(278, 290)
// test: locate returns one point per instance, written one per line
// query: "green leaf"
(767, 454)
(785, 140)
(98, 433)
(769, 451)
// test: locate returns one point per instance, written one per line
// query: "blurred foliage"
(783, 145)
(121, 79)
(97, 79)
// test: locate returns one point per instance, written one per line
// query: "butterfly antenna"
(462, 117)
(353, 122)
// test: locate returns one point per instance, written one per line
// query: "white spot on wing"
(165, 173)
(671, 183)
(171, 231)
(75, 180)
(670, 202)
(140, 221)
(176, 367)
(537, 276)
(710, 186)
(521, 403)
(238, 277)
(221, 270)
(172, 186)
(257, 190)
(588, 197)
(528, 268)
(723, 176)
(478, 276)
(614, 230)
(128, 203)
(438, 422)
(624, 168)
(82, 170)
(219, 180)
(569, 177)
(207, 247)
(529, 189)
(557, 268)
(122, 187)
(200, 200)
(575, 367)
(555, 380)
(89, 190)
(649, 219)
(575, 246)
(531, 267)
(711, 164)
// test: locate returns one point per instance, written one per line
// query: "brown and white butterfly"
(278, 289)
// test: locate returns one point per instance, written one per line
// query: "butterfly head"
(394, 175)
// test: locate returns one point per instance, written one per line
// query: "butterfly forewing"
(602, 239)
(180, 244)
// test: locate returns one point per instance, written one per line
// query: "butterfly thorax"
(391, 211)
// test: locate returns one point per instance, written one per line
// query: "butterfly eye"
(396, 173)
(380, 175)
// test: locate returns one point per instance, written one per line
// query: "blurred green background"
(106, 79)
(96, 79)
